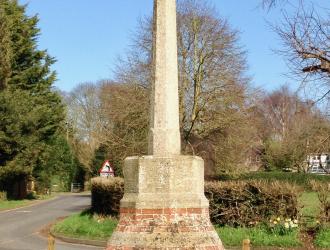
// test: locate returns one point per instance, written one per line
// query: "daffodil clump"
(282, 226)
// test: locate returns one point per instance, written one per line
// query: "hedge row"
(245, 203)
(106, 195)
(234, 203)
(302, 179)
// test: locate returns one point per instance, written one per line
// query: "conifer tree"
(30, 67)
(31, 112)
(5, 47)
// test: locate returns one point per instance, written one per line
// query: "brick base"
(167, 248)
(167, 228)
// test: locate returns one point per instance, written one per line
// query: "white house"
(318, 163)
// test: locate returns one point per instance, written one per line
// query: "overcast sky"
(86, 36)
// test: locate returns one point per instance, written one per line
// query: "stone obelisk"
(164, 206)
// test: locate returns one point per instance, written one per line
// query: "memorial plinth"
(164, 206)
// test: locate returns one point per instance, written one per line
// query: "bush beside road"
(293, 221)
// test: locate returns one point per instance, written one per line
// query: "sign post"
(106, 170)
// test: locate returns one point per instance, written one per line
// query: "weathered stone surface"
(164, 134)
(164, 229)
(164, 206)
(164, 182)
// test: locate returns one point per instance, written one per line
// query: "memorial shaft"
(164, 134)
(164, 206)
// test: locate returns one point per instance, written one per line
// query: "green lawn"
(323, 238)
(310, 208)
(4, 205)
(86, 226)
(258, 236)
(11, 204)
(310, 211)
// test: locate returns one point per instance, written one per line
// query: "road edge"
(33, 203)
(97, 243)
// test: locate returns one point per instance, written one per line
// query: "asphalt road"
(19, 229)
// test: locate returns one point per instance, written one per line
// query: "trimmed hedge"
(302, 179)
(233, 203)
(246, 203)
(106, 195)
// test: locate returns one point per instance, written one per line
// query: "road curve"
(19, 228)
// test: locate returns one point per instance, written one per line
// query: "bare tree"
(211, 64)
(110, 116)
(292, 129)
(305, 35)
(126, 110)
(212, 81)
(306, 38)
(279, 110)
(85, 120)
(269, 4)
(210, 60)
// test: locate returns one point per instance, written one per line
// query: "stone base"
(164, 206)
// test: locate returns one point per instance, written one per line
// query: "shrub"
(324, 199)
(302, 179)
(323, 193)
(106, 195)
(234, 203)
(13, 185)
(3, 196)
(245, 203)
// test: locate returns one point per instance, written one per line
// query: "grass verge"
(259, 237)
(5, 205)
(85, 226)
(323, 238)
(310, 208)
(11, 204)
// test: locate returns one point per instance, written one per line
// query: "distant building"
(318, 163)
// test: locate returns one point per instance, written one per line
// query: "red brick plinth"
(166, 228)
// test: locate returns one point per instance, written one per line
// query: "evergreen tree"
(59, 165)
(31, 113)
(5, 47)
(30, 67)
